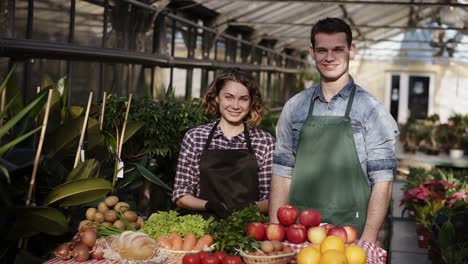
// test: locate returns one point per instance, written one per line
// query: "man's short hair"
(331, 25)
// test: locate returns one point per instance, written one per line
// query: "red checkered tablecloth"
(375, 254)
(91, 261)
(71, 261)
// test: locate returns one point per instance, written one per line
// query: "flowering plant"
(436, 190)
(461, 195)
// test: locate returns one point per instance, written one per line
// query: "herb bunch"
(230, 234)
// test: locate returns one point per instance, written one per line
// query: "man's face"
(331, 55)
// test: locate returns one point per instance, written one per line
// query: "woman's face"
(234, 102)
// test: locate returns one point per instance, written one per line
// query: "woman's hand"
(218, 208)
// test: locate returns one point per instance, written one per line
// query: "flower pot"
(423, 237)
(456, 153)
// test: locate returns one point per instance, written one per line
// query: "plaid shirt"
(188, 170)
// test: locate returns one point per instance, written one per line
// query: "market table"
(91, 261)
(440, 161)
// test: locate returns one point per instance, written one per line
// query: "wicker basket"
(177, 255)
(277, 259)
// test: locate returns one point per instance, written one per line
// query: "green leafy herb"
(230, 234)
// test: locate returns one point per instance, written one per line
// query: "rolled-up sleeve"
(284, 158)
(265, 170)
(380, 135)
(187, 173)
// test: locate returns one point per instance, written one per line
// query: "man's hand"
(377, 210)
(279, 193)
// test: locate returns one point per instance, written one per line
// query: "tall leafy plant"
(151, 155)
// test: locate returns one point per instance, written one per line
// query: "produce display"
(228, 233)
(163, 223)
(133, 246)
(316, 242)
(107, 214)
(243, 237)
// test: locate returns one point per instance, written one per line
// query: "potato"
(106, 223)
(267, 246)
(111, 201)
(90, 213)
(111, 216)
(130, 216)
(277, 245)
(121, 207)
(134, 225)
(120, 225)
(99, 217)
(140, 221)
(102, 207)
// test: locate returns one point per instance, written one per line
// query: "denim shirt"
(374, 130)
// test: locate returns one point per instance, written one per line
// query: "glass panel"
(84, 78)
(196, 83)
(21, 19)
(89, 24)
(179, 80)
(51, 20)
(180, 47)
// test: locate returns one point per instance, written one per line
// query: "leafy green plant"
(229, 233)
(151, 154)
(426, 213)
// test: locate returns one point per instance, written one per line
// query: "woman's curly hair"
(255, 114)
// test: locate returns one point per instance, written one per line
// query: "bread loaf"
(134, 246)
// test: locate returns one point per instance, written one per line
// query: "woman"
(226, 165)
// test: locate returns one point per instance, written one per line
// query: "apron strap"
(348, 106)
(246, 135)
(210, 137)
(350, 101)
(247, 139)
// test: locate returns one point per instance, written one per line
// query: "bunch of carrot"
(175, 241)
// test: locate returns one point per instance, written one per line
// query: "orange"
(332, 243)
(333, 257)
(355, 255)
(308, 255)
(317, 246)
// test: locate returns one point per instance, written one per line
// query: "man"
(335, 149)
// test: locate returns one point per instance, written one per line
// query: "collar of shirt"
(344, 93)
(219, 133)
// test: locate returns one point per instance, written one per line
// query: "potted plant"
(425, 215)
(449, 234)
(456, 136)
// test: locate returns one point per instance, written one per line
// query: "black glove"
(218, 208)
(241, 206)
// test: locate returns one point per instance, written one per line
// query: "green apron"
(327, 174)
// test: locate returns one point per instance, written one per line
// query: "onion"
(98, 250)
(75, 239)
(80, 252)
(88, 236)
(63, 251)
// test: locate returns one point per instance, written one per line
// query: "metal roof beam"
(355, 26)
(366, 2)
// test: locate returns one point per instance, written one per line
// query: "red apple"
(275, 232)
(351, 232)
(310, 217)
(338, 232)
(191, 259)
(317, 234)
(296, 233)
(328, 226)
(256, 230)
(220, 255)
(210, 260)
(287, 215)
